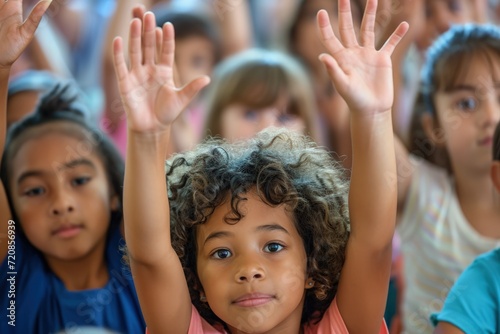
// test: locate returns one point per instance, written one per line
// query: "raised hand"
(360, 73)
(152, 102)
(15, 33)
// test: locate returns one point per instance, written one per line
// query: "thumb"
(29, 26)
(189, 91)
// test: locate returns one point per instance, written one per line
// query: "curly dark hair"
(284, 168)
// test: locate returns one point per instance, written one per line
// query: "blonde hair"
(258, 78)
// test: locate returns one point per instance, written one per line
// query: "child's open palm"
(15, 33)
(361, 74)
(152, 102)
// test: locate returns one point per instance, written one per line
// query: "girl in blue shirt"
(60, 211)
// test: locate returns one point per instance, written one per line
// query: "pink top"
(331, 323)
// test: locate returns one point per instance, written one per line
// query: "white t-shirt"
(437, 243)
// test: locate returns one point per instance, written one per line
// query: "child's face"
(61, 195)
(239, 122)
(468, 115)
(441, 14)
(194, 57)
(307, 43)
(253, 273)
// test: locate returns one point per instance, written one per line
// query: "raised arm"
(152, 103)
(363, 76)
(118, 26)
(15, 36)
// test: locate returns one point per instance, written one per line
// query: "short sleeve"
(473, 302)
(332, 322)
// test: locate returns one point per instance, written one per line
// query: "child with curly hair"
(258, 236)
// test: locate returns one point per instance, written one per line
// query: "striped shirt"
(437, 243)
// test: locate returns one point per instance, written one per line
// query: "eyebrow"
(470, 88)
(60, 167)
(225, 234)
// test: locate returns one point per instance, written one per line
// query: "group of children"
(259, 228)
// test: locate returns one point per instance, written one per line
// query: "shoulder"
(332, 322)
(429, 174)
(198, 325)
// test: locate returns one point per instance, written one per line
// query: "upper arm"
(163, 306)
(363, 287)
(447, 328)
(405, 170)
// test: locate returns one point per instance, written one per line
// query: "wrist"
(150, 139)
(5, 71)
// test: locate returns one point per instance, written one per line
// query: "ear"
(309, 283)
(430, 124)
(495, 174)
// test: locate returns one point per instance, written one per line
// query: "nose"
(249, 270)
(62, 203)
(269, 118)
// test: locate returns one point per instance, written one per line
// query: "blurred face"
(194, 56)
(239, 122)
(468, 114)
(441, 14)
(61, 196)
(253, 273)
(307, 43)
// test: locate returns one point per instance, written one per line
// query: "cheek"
(292, 278)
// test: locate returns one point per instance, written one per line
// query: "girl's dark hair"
(61, 105)
(450, 54)
(283, 167)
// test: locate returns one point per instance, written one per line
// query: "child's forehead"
(72, 140)
(66, 129)
(473, 69)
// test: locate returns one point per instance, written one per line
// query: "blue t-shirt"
(43, 305)
(473, 304)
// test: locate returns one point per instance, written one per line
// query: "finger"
(327, 36)
(346, 27)
(29, 26)
(120, 64)
(368, 24)
(188, 92)
(333, 69)
(159, 42)
(138, 12)
(149, 38)
(134, 47)
(168, 50)
(395, 38)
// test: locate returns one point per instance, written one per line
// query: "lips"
(253, 300)
(67, 230)
(487, 141)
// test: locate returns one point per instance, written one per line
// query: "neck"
(479, 204)
(87, 272)
(475, 189)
